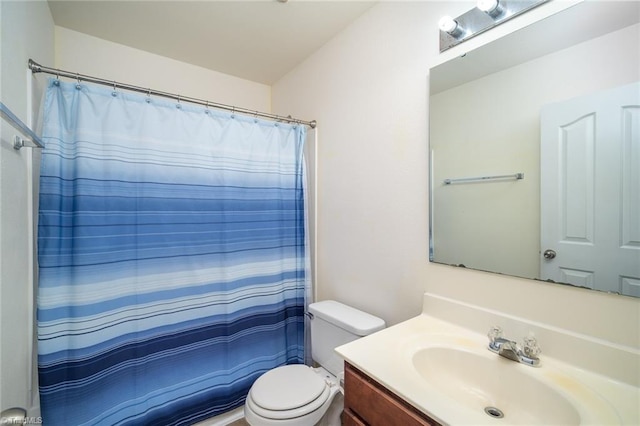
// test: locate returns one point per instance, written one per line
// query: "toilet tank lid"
(350, 319)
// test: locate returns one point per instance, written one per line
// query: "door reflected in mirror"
(559, 103)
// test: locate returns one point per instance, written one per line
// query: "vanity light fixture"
(490, 7)
(487, 14)
(449, 25)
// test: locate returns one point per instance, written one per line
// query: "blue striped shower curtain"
(172, 255)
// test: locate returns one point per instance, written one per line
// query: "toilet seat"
(288, 392)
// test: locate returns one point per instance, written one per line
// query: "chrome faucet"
(509, 349)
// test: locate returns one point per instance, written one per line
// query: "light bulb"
(447, 24)
(488, 6)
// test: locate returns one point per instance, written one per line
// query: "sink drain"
(494, 412)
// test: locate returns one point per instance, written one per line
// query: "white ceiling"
(256, 40)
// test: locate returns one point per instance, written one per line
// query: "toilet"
(298, 395)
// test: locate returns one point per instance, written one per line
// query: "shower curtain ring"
(78, 79)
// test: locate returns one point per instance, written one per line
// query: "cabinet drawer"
(350, 419)
(375, 405)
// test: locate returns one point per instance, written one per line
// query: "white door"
(590, 191)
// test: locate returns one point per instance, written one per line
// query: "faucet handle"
(494, 333)
(531, 348)
(495, 338)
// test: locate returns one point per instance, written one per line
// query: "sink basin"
(495, 385)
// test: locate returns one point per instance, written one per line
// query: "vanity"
(437, 368)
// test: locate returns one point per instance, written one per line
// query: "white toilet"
(298, 395)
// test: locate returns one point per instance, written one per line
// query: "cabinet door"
(374, 405)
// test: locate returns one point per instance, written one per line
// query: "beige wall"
(27, 32)
(368, 89)
(78, 52)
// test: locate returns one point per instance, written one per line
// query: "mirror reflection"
(557, 104)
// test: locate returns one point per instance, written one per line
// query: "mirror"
(558, 104)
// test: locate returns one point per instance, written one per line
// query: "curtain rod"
(36, 68)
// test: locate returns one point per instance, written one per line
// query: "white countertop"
(388, 357)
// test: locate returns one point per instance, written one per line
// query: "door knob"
(549, 254)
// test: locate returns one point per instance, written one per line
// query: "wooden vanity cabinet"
(368, 403)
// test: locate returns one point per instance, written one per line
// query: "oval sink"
(494, 385)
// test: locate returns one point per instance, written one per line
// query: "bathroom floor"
(240, 422)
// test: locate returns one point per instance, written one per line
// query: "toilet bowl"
(298, 395)
(292, 395)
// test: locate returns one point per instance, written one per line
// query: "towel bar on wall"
(516, 176)
(18, 142)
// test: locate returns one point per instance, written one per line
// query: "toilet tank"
(334, 324)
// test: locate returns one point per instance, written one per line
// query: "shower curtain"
(172, 255)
